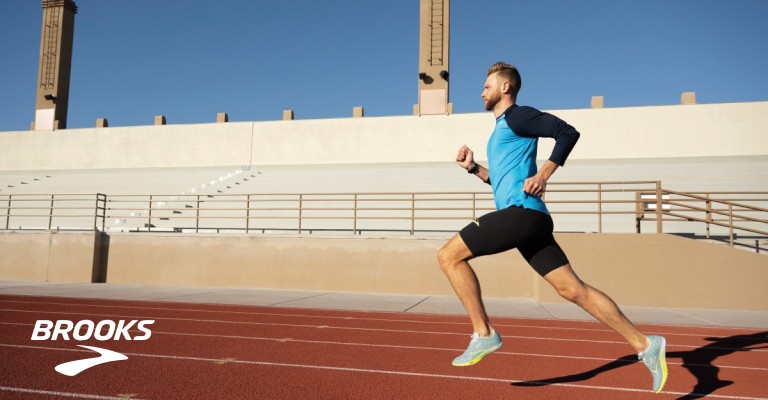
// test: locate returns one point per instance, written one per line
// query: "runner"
(522, 221)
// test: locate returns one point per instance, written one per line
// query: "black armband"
(475, 169)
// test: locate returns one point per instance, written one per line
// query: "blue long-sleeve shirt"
(512, 153)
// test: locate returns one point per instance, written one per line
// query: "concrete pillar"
(357, 112)
(688, 98)
(433, 57)
(56, 39)
(222, 117)
(597, 101)
(160, 120)
(102, 123)
(287, 115)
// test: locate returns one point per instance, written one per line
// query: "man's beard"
(491, 102)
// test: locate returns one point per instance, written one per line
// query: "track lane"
(363, 344)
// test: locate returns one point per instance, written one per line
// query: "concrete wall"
(637, 270)
(702, 130)
(71, 257)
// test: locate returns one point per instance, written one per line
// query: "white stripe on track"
(59, 394)
(394, 346)
(352, 328)
(406, 373)
(597, 323)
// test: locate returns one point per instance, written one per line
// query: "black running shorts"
(527, 230)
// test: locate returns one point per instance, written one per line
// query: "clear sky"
(190, 59)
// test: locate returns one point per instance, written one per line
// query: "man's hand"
(537, 184)
(465, 158)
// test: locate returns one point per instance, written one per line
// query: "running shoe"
(479, 347)
(655, 358)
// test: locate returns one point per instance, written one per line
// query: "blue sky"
(190, 59)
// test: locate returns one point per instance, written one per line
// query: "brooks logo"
(86, 329)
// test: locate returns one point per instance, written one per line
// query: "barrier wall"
(653, 270)
(50, 256)
(640, 270)
(702, 130)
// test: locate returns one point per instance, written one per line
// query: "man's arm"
(530, 122)
(537, 184)
(465, 158)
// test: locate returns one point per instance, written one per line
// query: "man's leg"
(597, 303)
(651, 349)
(453, 258)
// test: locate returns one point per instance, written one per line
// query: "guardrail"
(576, 206)
(53, 211)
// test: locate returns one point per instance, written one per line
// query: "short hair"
(508, 72)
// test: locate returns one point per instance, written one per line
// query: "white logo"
(73, 368)
(86, 329)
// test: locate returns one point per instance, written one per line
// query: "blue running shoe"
(479, 347)
(655, 358)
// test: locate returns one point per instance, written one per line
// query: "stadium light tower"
(55, 64)
(433, 58)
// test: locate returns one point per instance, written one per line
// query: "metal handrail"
(641, 201)
(86, 207)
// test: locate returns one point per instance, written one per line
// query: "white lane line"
(393, 346)
(351, 328)
(466, 323)
(404, 347)
(59, 394)
(406, 373)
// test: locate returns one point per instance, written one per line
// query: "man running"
(522, 221)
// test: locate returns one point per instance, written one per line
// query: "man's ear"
(506, 87)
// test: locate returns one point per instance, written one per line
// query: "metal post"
(103, 198)
(413, 213)
(197, 215)
(599, 208)
(247, 213)
(301, 205)
(709, 214)
(8, 212)
(730, 224)
(149, 215)
(50, 213)
(96, 213)
(354, 217)
(659, 223)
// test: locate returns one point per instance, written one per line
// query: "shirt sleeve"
(530, 122)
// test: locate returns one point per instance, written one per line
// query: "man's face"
(492, 91)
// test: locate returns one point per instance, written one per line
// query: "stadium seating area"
(181, 194)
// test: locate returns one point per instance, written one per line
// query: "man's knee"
(445, 257)
(568, 285)
(452, 253)
(575, 292)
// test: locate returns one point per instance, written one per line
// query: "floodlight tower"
(433, 58)
(55, 64)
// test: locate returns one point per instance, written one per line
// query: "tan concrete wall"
(636, 270)
(666, 271)
(50, 256)
(734, 129)
(336, 264)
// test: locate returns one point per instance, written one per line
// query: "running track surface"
(204, 351)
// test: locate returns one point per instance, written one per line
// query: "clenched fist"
(465, 158)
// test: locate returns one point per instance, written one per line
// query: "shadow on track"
(699, 361)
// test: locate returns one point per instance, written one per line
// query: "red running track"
(203, 351)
